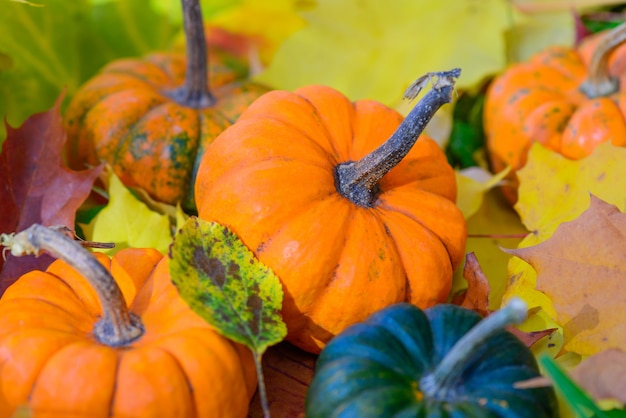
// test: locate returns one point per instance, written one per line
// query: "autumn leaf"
(222, 281)
(128, 222)
(602, 376)
(257, 21)
(288, 373)
(372, 49)
(476, 296)
(493, 226)
(36, 187)
(581, 269)
(554, 190)
(598, 378)
(472, 184)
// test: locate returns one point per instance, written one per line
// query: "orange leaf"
(581, 268)
(603, 375)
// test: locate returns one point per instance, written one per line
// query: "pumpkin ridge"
(115, 380)
(303, 133)
(59, 308)
(455, 254)
(332, 140)
(36, 375)
(185, 375)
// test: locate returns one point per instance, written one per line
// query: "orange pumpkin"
(151, 119)
(70, 347)
(569, 100)
(293, 179)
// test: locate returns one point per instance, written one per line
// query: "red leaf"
(35, 185)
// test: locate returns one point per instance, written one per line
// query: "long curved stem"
(118, 326)
(600, 82)
(358, 180)
(195, 92)
(451, 367)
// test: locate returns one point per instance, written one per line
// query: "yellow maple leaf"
(373, 49)
(554, 190)
(128, 222)
(472, 184)
(268, 23)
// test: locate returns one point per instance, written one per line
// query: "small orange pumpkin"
(347, 232)
(569, 100)
(69, 346)
(151, 119)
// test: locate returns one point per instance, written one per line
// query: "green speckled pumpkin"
(152, 118)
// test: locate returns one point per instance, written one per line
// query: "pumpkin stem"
(195, 92)
(448, 372)
(118, 326)
(358, 180)
(600, 83)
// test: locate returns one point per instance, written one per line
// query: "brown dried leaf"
(476, 296)
(581, 268)
(36, 187)
(530, 338)
(288, 372)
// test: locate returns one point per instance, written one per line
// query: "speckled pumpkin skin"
(539, 101)
(124, 117)
(271, 179)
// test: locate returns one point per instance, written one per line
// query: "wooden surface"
(288, 371)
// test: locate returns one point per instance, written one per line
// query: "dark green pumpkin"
(381, 368)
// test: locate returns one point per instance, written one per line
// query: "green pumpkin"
(405, 362)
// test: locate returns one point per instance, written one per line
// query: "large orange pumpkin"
(70, 347)
(152, 118)
(569, 100)
(293, 179)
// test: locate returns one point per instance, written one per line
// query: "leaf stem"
(438, 383)
(358, 180)
(195, 92)
(262, 389)
(600, 82)
(118, 326)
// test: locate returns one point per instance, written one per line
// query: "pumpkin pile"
(347, 202)
(569, 100)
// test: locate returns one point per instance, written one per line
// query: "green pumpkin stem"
(447, 373)
(600, 83)
(118, 327)
(358, 180)
(195, 92)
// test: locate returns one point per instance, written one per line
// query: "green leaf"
(222, 281)
(45, 50)
(467, 136)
